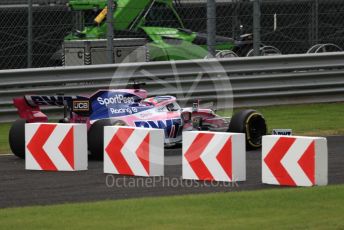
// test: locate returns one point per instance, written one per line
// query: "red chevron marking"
(35, 146)
(225, 157)
(114, 151)
(142, 153)
(67, 147)
(193, 156)
(307, 162)
(274, 157)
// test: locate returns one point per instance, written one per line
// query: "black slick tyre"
(253, 124)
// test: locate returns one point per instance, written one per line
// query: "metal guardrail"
(255, 81)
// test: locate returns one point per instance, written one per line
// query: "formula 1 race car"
(131, 107)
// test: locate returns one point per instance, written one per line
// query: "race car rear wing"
(58, 100)
(29, 106)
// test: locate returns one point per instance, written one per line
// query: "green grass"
(301, 208)
(313, 119)
(4, 146)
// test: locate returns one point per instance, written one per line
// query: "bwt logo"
(283, 132)
(49, 100)
(171, 126)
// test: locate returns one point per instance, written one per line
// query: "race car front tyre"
(16, 138)
(253, 124)
(95, 137)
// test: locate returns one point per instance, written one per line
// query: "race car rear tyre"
(95, 137)
(253, 124)
(16, 138)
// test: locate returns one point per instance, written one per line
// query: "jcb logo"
(81, 105)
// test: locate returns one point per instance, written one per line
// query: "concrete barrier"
(133, 151)
(55, 147)
(294, 161)
(214, 156)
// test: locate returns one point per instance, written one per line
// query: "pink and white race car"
(131, 107)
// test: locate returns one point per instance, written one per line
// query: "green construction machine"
(159, 23)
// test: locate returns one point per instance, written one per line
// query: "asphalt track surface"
(19, 187)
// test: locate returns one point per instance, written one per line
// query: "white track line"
(6, 155)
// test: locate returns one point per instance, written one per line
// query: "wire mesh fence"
(296, 26)
(50, 26)
(292, 26)
(13, 32)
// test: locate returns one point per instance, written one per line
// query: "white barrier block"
(133, 151)
(294, 161)
(214, 156)
(56, 147)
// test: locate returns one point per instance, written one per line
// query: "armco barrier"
(55, 147)
(255, 81)
(133, 151)
(294, 161)
(214, 156)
